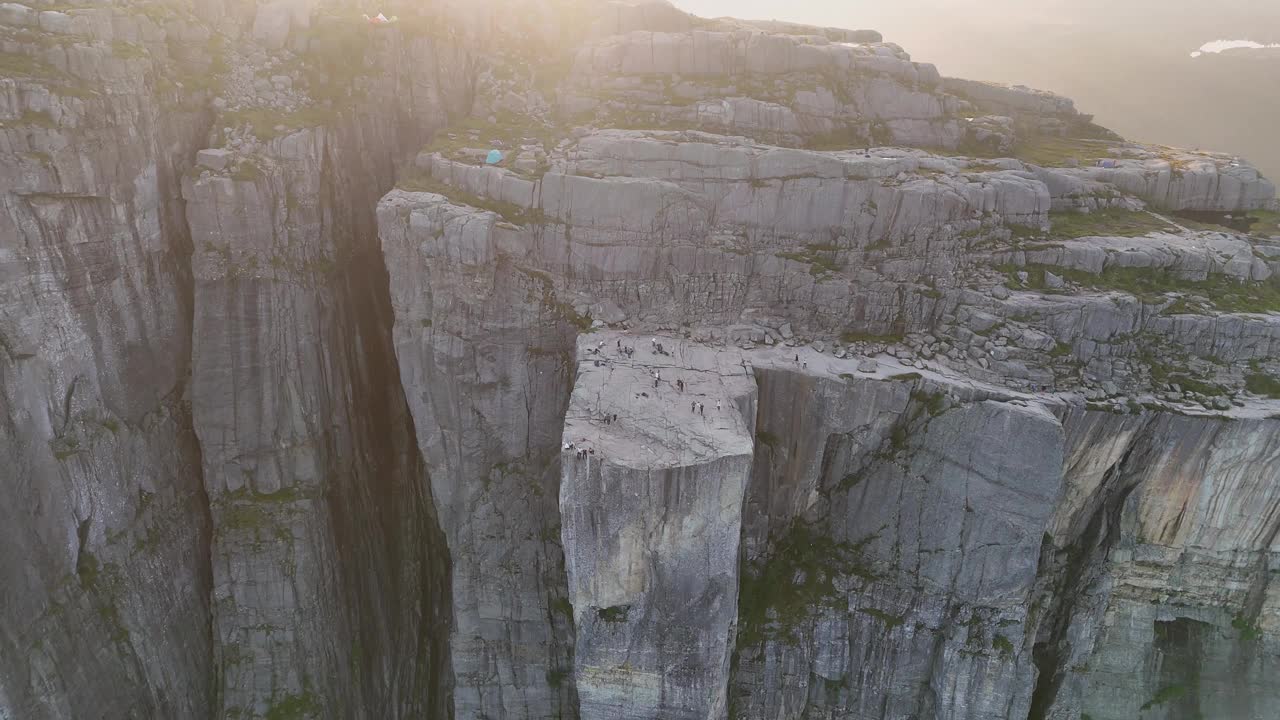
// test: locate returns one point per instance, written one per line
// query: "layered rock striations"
(106, 579)
(904, 547)
(768, 374)
(486, 364)
(244, 526)
(655, 464)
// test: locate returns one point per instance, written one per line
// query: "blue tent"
(494, 157)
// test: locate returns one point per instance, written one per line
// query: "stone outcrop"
(785, 89)
(619, 216)
(485, 355)
(1186, 181)
(769, 374)
(652, 512)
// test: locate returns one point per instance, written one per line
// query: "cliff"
(770, 374)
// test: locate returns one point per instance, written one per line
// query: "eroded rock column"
(485, 352)
(656, 456)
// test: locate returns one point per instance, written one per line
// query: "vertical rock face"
(104, 580)
(1172, 562)
(652, 510)
(917, 541)
(326, 539)
(485, 354)
(331, 580)
(311, 547)
(901, 529)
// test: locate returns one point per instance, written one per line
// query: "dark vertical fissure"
(176, 232)
(1066, 576)
(395, 560)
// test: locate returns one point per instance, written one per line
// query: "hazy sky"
(1125, 61)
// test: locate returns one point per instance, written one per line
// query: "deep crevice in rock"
(1066, 576)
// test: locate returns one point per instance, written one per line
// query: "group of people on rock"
(581, 453)
(701, 408)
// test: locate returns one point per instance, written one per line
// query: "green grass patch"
(1112, 222)
(21, 65)
(291, 493)
(64, 447)
(890, 621)
(31, 118)
(841, 139)
(1262, 384)
(1019, 231)
(264, 121)
(1248, 629)
(293, 707)
(785, 590)
(1165, 372)
(512, 130)
(933, 403)
(816, 255)
(88, 570)
(245, 517)
(1002, 645)
(1165, 695)
(127, 50)
(248, 510)
(1198, 386)
(1151, 285)
(906, 377)
(198, 77)
(579, 321)
(1266, 223)
(556, 678)
(1053, 151)
(614, 614)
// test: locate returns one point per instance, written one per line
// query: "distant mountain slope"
(1126, 62)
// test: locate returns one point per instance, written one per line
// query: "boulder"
(17, 15)
(53, 21)
(216, 159)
